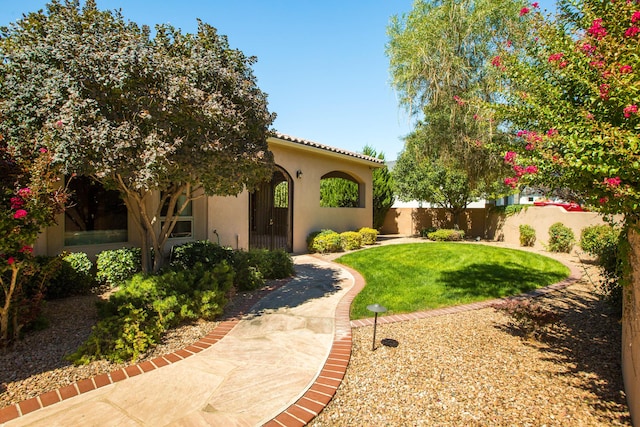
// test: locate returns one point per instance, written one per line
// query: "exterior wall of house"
(230, 215)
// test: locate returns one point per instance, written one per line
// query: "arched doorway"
(270, 213)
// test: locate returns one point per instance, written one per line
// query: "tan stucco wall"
(230, 215)
(479, 222)
(631, 331)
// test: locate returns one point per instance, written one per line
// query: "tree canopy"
(439, 60)
(167, 114)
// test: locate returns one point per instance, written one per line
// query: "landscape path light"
(376, 308)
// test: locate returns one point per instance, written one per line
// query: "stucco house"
(278, 215)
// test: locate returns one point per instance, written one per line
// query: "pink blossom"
(522, 133)
(528, 147)
(555, 56)
(632, 31)
(552, 132)
(531, 169)
(59, 124)
(597, 30)
(612, 182)
(563, 64)
(519, 170)
(20, 213)
(476, 117)
(26, 249)
(633, 108)
(636, 16)
(626, 69)
(477, 143)
(43, 150)
(458, 100)
(524, 11)
(11, 260)
(511, 182)
(588, 49)
(496, 62)
(509, 157)
(604, 91)
(509, 43)
(535, 5)
(24, 192)
(603, 200)
(16, 202)
(596, 64)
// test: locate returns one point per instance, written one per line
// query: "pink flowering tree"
(29, 201)
(570, 100)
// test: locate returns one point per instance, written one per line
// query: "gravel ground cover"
(468, 368)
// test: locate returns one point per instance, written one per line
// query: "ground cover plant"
(414, 277)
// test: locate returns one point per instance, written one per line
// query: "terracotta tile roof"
(313, 144)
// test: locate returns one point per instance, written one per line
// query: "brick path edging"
(49, 398)
(318, 396)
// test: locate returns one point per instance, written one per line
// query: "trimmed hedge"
(369, 235)
(527, 235)
(561, 238)
(446, 235)
(116, 266)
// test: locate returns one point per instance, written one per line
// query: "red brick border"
(49, 398)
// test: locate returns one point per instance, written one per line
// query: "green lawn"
(422, 276)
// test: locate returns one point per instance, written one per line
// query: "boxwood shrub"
(114, 267)
(73, 276)
(444, 234)
(561, 238)
(350, 240)
(527, 235)
(369, 235)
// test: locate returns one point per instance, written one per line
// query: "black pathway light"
(376, 308)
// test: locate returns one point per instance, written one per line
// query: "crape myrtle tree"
(168, 114)
(30, 199)
(439, 60)
(570, 100)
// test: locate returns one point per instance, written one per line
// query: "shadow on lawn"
(586, 342)
(494, 280)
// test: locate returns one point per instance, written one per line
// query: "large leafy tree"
(439, 59)
(383, 188)
(167, 114)
(571, 102)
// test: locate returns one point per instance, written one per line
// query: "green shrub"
(369, 235)
(135, 316)
(247, 274)
(325, 241)
(602, 241)
(114, 267)
(350, 240)
(596, 240)
(443, 235)
(527, 235)
(561, 238)
(425, 231)
(203, 251)
(74, 276)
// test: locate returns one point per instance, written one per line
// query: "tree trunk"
(5, 313)
(631, 326)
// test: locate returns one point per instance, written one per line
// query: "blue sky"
(322, 63)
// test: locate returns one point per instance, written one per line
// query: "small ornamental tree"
(162, 115)
(29, 200)
(570, 100)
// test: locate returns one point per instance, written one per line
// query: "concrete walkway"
(279, 365)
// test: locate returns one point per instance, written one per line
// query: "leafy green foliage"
(339, 193)
(143, 112)
(73, 276)
(369, 235)
(116, 266)
(324, 241)
(527, 235)
(561, 238)
(438, 54)
(597, 240)
(444, 235)
(135, 317)
(203, 251)
(350, 240)
(569, 98)
(30, 199)
(603, 242)
(383, 189)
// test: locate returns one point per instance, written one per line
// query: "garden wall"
(490, 225)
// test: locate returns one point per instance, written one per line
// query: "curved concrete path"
(279, 365)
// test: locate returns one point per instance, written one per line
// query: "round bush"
(561, 238)
(598, 239)
(369, 235)
(350, 240)
(443, 235)
(527, 235)
(117, 266)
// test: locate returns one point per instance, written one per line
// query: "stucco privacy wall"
(230, 215)
(480, 222)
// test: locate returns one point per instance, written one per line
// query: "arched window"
(340, 190)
